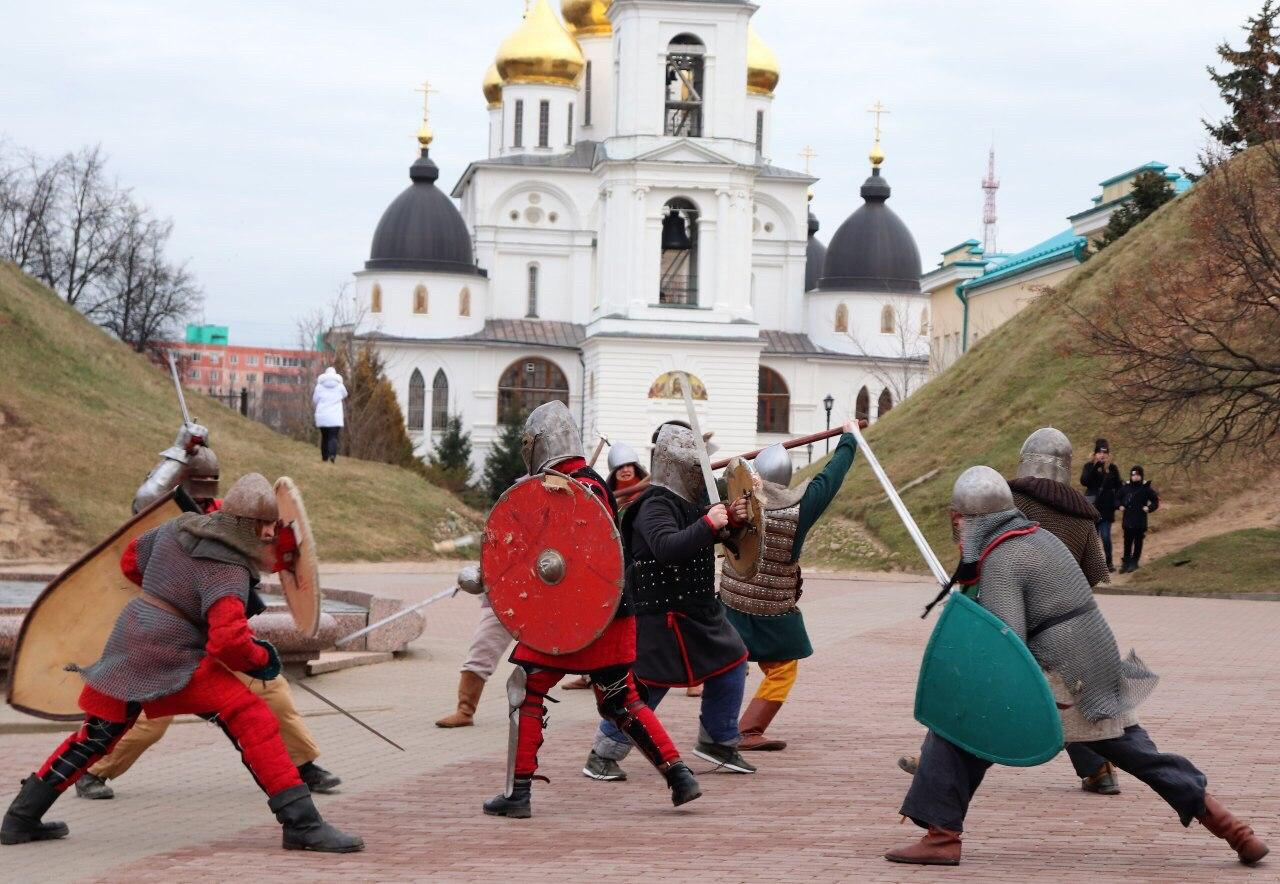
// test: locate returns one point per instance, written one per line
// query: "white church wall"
(521, 119)
(598, 51)
(864, 336)
(443, 315)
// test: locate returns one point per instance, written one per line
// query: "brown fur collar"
(1058, 496)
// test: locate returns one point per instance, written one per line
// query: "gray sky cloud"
(275, 133)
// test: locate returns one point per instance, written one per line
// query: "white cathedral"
(628, 223)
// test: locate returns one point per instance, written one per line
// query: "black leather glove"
(273, 667)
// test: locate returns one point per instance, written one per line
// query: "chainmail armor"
(151, 653)
(1079, 535)
(1029, 579)
(772, 592)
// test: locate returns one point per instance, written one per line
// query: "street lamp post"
(828, 404)
(810, 447)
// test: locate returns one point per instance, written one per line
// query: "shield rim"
(740, 568)
(307, 559)
(1020, 647)
(177, 495)
(615, 533)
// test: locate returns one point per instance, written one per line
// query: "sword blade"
(448, 593)
(177, 385)
(332, 705)
(704, 459)
(904, 514)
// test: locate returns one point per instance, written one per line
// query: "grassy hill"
(1027, 374)
(82, 419)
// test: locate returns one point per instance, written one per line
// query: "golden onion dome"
(493, 86)
(587, 18)
(540, 51)
(763, 69)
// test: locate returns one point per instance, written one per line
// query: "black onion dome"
(422, 229)
(815, 256)
(873, 251)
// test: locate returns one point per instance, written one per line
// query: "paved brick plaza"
(825, 809)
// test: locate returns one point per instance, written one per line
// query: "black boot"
(304, 829)
(318, 780)
(680, 780)
(22, 819)
(519, 806)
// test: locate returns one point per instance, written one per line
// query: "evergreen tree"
(1151, 190)
(449, 464)
(504, 464)
(1250, 85)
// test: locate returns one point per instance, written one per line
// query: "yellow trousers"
(147, 732)
(779, 679)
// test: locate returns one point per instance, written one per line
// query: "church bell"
(675, 236)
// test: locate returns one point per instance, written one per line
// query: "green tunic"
(778, 639)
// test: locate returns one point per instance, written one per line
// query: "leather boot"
(22, 819)
(754, 721)
(909, 764)
(938, 847)
(1236, 832)
(680, 780)
(304, 828)
(519, 806)
(1103, 781)
(470, 686)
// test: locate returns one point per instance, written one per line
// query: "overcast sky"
(274, 133)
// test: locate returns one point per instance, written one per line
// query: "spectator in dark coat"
(1137, 500)
(1102, 484)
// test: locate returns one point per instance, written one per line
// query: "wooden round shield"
(301, 583)
(551, 557)
(739, 479)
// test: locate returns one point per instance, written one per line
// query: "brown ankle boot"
(1236, 832)
(758, 716)
(1103, 781)
(938, 847)
(470, 686)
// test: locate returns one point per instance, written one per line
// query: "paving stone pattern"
(823, 810)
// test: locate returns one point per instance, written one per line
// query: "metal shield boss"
(300, 579)
(551, 557)
(72, 618)
(745, 563)
(981, 689)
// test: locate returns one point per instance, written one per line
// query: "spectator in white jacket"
(327, 398)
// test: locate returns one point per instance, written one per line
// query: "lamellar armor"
(774, 590)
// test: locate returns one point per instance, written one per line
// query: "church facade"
(626, 224)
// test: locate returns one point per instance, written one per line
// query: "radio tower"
(990, 185)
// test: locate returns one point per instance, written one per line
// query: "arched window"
(684, 84)
(464, 302)
(885, 405)
(862, 410)
(375, 299)
(439, 401)
(678, 284)
(842, 318)
(888, 322)
(773, 409)
(527, 384)
(420, 299)
(417, 400)
(924, 322)
(532, 311)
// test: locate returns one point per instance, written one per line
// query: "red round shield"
(551, 557)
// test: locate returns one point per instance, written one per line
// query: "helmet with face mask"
(550, 436)
(676, 465)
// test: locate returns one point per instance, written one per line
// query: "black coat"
(1134, 496)
(1102, 486)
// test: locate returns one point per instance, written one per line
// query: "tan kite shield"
(72, 619)
(301, 577)
(739, 479)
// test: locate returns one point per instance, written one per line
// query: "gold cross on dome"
(878, 109)
(809, 154)
(427, 92)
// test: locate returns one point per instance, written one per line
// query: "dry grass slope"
(1027, 374)
(82, 419)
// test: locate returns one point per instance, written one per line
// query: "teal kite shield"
(981, 689)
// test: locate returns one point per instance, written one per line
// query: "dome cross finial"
(809, 155)
(425, 135)
(877, 153)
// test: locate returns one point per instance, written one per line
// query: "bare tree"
(29, 190)
(1188, 344)
(902, 361)
(90, 234)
